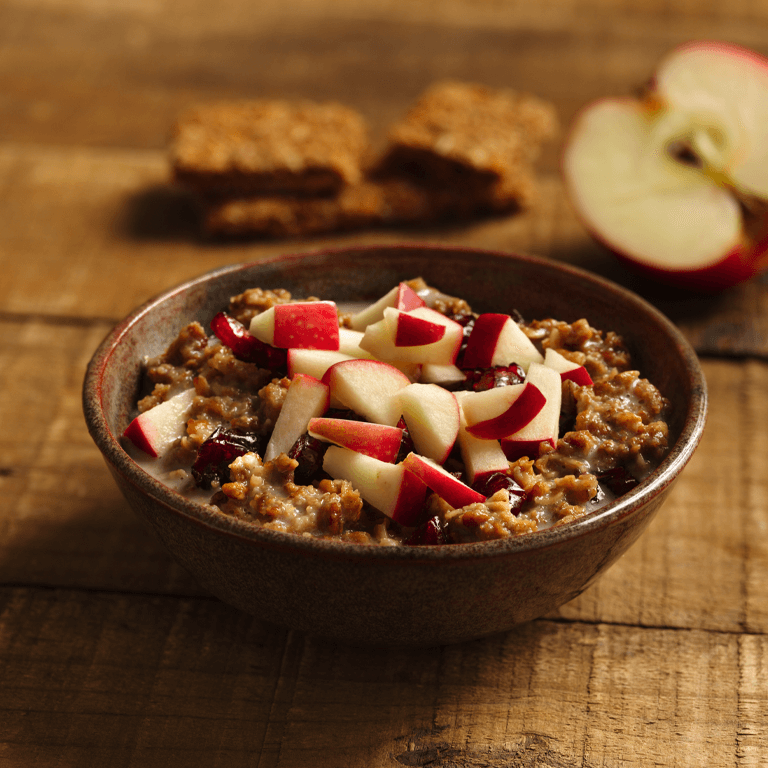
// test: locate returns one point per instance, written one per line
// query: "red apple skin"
(139, 438)
(578, 376)
(516, 449)
(520, 413)
(741, 264)
(415, 331)
(410, 509)
(444, 484)
(380, 441)
(310, 325)
(482, 340)
(408, 299)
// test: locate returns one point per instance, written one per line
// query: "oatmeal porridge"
(412, 421)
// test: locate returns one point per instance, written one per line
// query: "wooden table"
(110, 655)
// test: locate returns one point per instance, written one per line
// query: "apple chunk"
(442, 482)
(544, 426)
(676, 183)
(497, 340)
(568, 370)
(432, 416)
(157, 429)
(368, 387)
(380, 441)
(402, 296)
(306, 398)
(302, 325)
(425, 336)
(390, 488)
(502, 411)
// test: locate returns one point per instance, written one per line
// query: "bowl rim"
(656, 483)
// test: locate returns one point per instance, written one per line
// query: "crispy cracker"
(269, 147)
(477, 141)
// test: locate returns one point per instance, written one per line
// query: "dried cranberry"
(309, 452)
(617, 480)
(233, 334)
(480, 379)
(219, 451)
(430, 533)
(499, 481)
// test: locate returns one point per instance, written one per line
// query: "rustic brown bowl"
(396, 595)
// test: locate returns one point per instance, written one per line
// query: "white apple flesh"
(390, 488)
(380, 441)
(432, 416)
(306, 398)
(368, 387)
(676, 183)
(157, 429)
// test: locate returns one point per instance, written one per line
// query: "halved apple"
(676, 183)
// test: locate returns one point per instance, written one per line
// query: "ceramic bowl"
(396, 595)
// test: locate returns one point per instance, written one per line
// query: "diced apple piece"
(482, 458)
(390, 488)
(442, 482)
(501, 411)
(544, 427)
(349, 343)
(497, 340)
(402, 296)
(568, 370)
(432, 416)
(157, 429)
(380, 338)
(306, 398)
(298, 325)
(368, 387)
(380, 441)
(445, 375)
(415, 331)
(314, 362)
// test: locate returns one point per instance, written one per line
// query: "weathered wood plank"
(92, 679)
(118, 75)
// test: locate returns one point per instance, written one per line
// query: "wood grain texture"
(145, 681)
